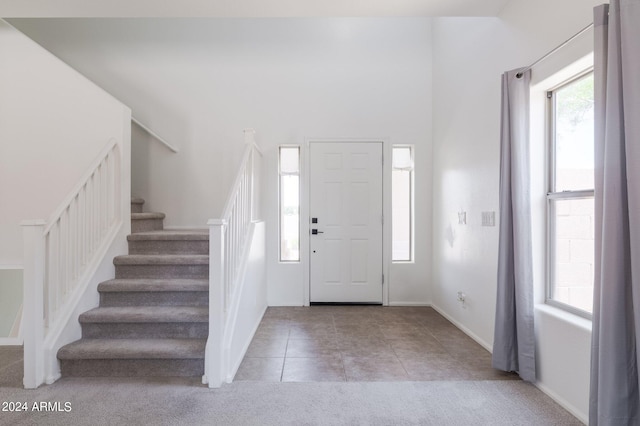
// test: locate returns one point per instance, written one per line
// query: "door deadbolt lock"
(315, 232)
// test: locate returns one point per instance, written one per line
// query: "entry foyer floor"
(363, 343)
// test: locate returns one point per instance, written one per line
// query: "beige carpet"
(104, 401)
(464, 399)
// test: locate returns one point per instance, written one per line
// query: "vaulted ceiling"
(248, 8)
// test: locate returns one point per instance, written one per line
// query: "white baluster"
(99, 202)
(53, 276)
(81, 226)
(73, 254)
(63, 257)
(252, 212)
(96, 211)
(112, 187)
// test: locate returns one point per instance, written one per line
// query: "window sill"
(564, 316)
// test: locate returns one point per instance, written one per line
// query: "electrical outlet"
(462, 299)
(462, 218)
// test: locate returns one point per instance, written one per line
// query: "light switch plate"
(488, 218)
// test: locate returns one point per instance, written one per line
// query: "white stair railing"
(228, 237)
(153, 134)
(62, 254)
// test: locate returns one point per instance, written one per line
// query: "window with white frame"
(289, 193)
(570, 195)
(402, 203)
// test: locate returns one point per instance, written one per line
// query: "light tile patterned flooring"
(363, 343)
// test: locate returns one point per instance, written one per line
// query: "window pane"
(401, 214)
(289, 218)
(289, 159)
(572, 280)
(402, 158)
(289, 162)
(574, 135)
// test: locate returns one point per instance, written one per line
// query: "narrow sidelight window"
(402, 203)
(570, 195)
(289, 192)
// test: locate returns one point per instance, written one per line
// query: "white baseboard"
(409, 304)
(10, 341)
(185, 228)
(52, 379)
(584, 418)
(465, 330)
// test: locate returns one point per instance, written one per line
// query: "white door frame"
(304, 212)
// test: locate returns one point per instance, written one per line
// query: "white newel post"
(33, 310)
(214, 353)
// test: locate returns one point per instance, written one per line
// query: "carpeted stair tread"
(161, 259)
(137, 200)
(158, 241)
(163, 235)
(147, 215)
(133, 349)
(143, 222)
(148, 285)
(146, 314)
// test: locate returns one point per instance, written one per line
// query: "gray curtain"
(514, 343)
(615, 398)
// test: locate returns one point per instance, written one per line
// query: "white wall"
(47, 112)
(53, 125)
(10, 303)
(469, 56)
(198, 83)
(249, 8)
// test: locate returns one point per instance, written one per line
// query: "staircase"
(153, 317)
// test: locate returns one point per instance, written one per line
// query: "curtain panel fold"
(614, 392)
(514, 342)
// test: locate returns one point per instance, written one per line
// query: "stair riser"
(157, 298)
(164, 330)
(162, 271)
(136, 208)
(132, 368)
(144, 225)
(169, 247)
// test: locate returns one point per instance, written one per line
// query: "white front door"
(345, 209)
